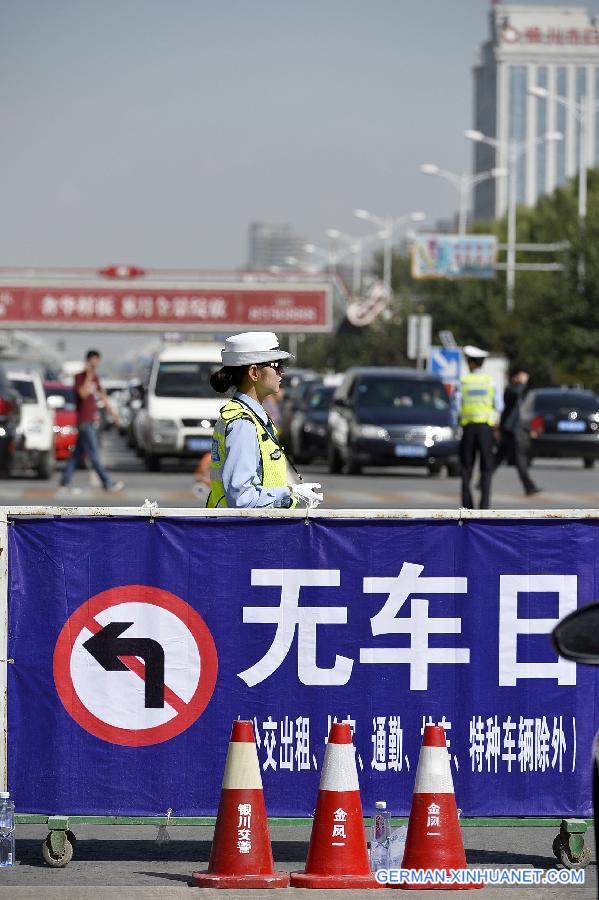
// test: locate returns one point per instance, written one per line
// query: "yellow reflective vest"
(274, 462)
(478, 393)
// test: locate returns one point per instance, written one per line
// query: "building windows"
(541, 149)
(561, 89)
(517, 122)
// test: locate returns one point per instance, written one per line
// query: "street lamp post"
(356, 247)
(329, 258)
(463, 182)
(387, 227)
(514, 150)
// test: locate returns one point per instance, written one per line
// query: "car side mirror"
(576, 637)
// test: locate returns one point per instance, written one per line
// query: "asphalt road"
(566, 485)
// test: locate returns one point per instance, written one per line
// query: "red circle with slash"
(198, 635)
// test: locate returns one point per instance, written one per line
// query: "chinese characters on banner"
(306, 307)
(388, 625)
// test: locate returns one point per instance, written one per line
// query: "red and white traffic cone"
(241, 854)
(434, 839)
(337, 856)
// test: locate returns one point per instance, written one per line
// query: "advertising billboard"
(454, 256)
(166, 305)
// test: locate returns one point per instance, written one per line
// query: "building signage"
(159, 307)
(533, 34)
(454, 256)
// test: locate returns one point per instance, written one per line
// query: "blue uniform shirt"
(242, 468)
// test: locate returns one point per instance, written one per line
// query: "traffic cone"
(337, 856)
(434, 839)
(241, 854)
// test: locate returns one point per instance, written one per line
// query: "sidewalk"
(125, 863)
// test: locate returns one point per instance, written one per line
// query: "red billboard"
(160, 306)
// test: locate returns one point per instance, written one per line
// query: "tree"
(553, 329)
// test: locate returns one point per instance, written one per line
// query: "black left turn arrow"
(107, 645)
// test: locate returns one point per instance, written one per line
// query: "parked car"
(10, 414)
(61, 400)
(180, 407)
(114, 388)
(562, 422)
(36, 450)
(294, 384)
(309, 423)
(392, 417)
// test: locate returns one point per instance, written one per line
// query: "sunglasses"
(277, 365)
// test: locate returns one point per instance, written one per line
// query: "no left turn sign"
(135, 665)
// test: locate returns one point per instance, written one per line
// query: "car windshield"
(585, 402)
(185, 379)
(320, 398)
(67, 394)
(400, 393)
(25, 388)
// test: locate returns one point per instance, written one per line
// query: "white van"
(180, 407)
(35, 448)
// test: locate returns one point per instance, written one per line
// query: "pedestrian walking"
(514, 439)
(249, 467)
(87, 388)
(477, 418)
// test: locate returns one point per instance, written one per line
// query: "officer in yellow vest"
(248, 466)
(477, 418)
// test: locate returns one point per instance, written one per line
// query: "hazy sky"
(153, 131)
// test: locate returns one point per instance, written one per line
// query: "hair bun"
(221, 381)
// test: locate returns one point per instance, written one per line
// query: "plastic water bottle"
(397, 846)
(7, 830)
(381, 830)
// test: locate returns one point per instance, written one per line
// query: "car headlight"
(371, 431)
(434, 434)
(163, 430)
(313, 428)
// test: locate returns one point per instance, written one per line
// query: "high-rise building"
(552, 47)
(273, 245)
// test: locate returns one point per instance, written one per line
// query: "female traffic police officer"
(248, 467)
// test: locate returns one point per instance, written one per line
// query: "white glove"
(306, 494)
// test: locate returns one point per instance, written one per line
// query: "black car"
(294, 384)
(309, 423)
(392, 417)
(562, 422)
(10, 414)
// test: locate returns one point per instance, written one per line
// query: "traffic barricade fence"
(132, 637)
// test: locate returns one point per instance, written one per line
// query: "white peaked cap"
(252, 347)
(474, 352)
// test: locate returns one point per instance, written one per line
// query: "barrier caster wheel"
(569, 860)
(54, 857)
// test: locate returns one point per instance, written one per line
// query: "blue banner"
(136, 643)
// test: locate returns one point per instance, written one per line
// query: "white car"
(36, 428)
(180, 408)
